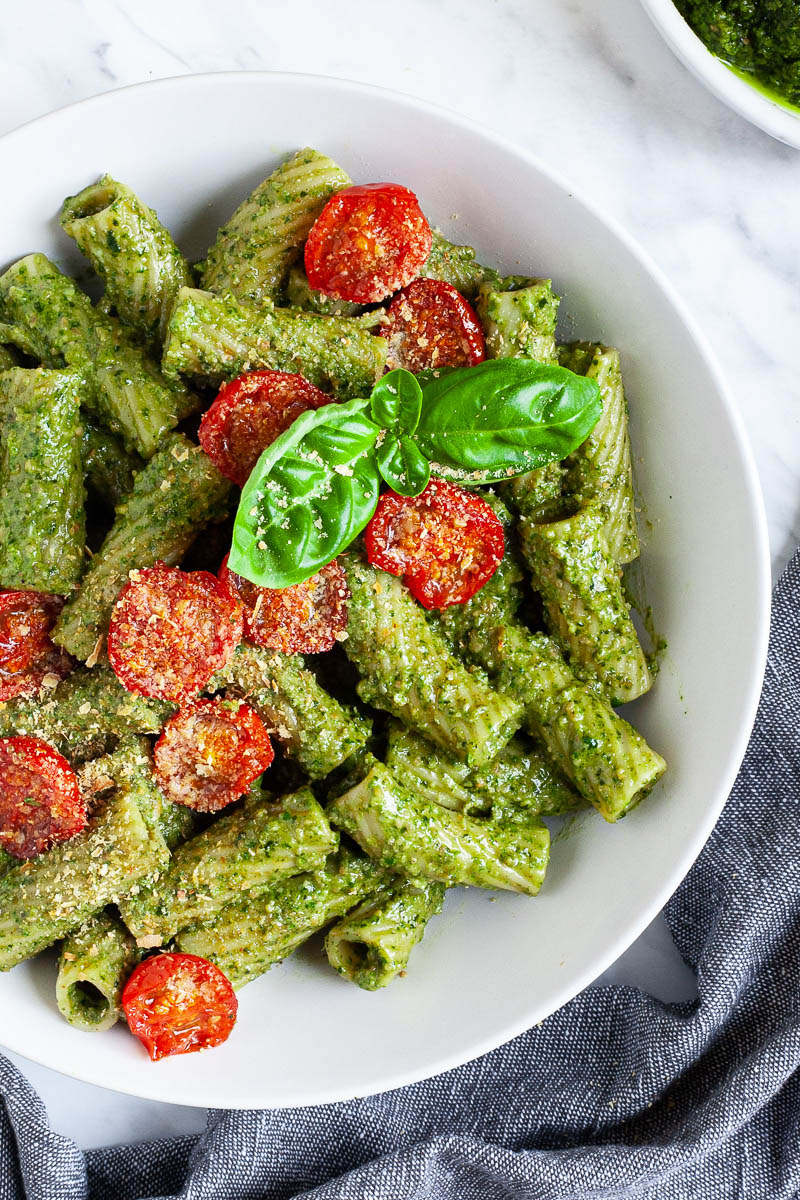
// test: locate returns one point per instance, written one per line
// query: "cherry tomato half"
(27, 655)
(40, 799)
(249, 414)
(307, 618)
(178, 1003)
(210, 752)
(171, 630)
(367, 242)
(446, 543)
(429, 324)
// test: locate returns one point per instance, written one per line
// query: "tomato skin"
(446, 543)
(27, 655)
(210, 752)
(429, 324)
(40, 798)
(178, 1003)
(308, 618)
(249, 413)
(368, 241)
(170, 630)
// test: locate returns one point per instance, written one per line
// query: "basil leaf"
(396, 401)
(309, 495)
(503, 417)
(403, 465)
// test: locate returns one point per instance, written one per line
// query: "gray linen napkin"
(617, 1095)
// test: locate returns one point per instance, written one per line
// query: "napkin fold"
(616, 1095)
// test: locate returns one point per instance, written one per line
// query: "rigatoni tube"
(255, 932)
(600, 470)
(254, 249)
(373, 943)
(605, 758)
(215, 338)
(178, 493)
(93, 967)
(580, 583)
(49, 896)
(83, 714)
(519, 321)
(521, 780)
(244, 852)
(312, 727)
(407, 669)
(420, 839)
(123, 388)
(131, 251)
(42, 519)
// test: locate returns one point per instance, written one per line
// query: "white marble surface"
(589, 87)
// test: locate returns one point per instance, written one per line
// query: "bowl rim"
(185, 1092)
(755, 106)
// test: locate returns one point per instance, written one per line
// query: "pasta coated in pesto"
(579, 581)
(416, 838)
(123, 389)
(436, 739)
(93, 966)
(242, 853)
(407, 669)
(131, 251)
(373, 943)
(312, 726)
(252, 934)
(255, 248)
(215, 338)
(42, 518)
(178, 493)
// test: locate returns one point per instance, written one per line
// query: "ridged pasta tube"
(312, 727)
(123, 388)
(244, 852)
(177, 493)
(215, 338)
(93, 967)
(457, 266)
(407, 669)
(373, 943)
(520, 781)
(580, 583)
(416, 838)
(255, 932)
(46, 898)
(607, 761)
(600, 470)
(519, 321)
(255, 248)
(42, 517)
(537, 494)
(83, 714)
(131, 251)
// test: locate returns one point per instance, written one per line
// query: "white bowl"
(782, 121)
(491, 965)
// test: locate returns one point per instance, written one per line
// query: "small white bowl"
(491, 965)
(780, 120)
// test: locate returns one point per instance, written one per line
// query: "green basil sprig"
(315, 488)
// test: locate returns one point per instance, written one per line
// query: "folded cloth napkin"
(617, 1095)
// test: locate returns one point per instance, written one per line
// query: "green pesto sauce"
(759, 38)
